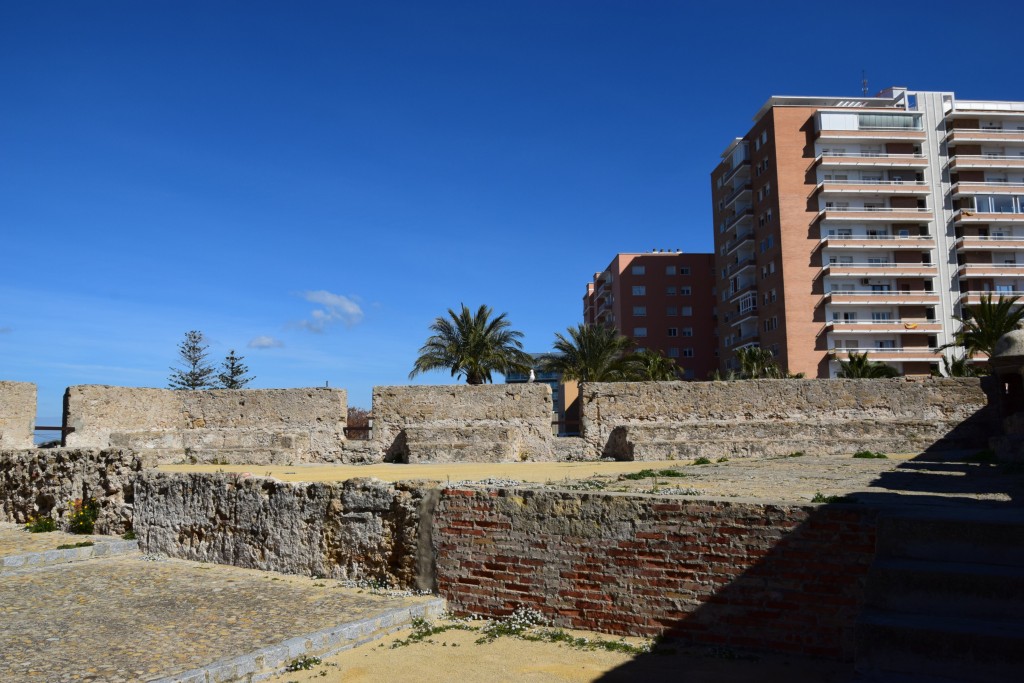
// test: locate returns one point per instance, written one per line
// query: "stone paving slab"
(132, 618)
(15, 540)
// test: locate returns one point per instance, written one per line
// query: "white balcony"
(895, 355)
(887, 134)
(975, 298)
(858, 160)
(867, 297)
(991, 270)
(876, 187)
(972, 216)
(960, 162)
(968, 188)
(903, 326)
(876, 270)
(917, 242)
(979, 135)
(989, 243)
(880, 214)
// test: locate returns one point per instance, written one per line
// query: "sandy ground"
(455, 656)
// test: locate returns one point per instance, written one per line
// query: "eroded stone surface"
(17, 414)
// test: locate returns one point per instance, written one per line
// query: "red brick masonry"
(786, 578)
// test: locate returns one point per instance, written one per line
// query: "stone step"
(946, 589)
(961, 649)
(991, 537)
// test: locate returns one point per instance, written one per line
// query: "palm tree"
(984, 323)
(591, 353)
(960, 366)
(758, 363)
(652, 366)
(472, 345)
(859, 367)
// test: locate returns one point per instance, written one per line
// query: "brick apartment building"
(662, 300)
(864, 224)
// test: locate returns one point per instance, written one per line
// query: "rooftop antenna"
(864, 82)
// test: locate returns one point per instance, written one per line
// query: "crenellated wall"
(17, 414)
(668, 420)
(487, 423)
(257, 426)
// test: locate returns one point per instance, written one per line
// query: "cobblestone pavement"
(14, 540)
(132, 618)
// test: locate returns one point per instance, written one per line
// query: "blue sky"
(312, 183)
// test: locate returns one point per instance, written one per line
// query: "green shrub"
(702, 461)
(869, 454)
(648, 474)
(83, 516)
(303, 663)
(80, 544)
(41, 525)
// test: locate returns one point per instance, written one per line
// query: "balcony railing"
(871, 159)
(866, 296)
(745, 164)
(737, 267)
(899, 325)
(878, 209)
(985, 161)
(745, 213)
(738, 240)
(898, 353)
(885, 241)
(995, 269)
(735, 194)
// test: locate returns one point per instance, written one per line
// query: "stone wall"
(17, 414)
(45, 482)
(257, 426)
(667, 420)
(787, 578)
(488, 423)
(358, 529)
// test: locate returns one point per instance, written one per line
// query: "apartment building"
(662, 300)
(864, 224)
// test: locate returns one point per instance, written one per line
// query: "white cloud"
(335, 308)
(265, 342)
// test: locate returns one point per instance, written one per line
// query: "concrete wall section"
(17, 414)
(45, 482)
(488, 423)
(359, 529)
(777, 577)
(254, 426)
(664, 420)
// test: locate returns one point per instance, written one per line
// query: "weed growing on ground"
(128, 535)
(795, 454)
(83, 516)
(647, 474)
(869, 454)
(422, 630)
(69, 546)
(723, 459)
(585, 485)
(41, 525)
(822, 498)
(303, 663)
(702, 461)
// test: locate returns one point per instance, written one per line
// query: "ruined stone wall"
(44, 482)
(488, 423)
(17, 414)
(665, 420)
(256, 426)
(358, 529)
(787, 578)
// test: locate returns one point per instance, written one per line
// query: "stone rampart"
(669, 420)
(17, 414)
(257, 426)
(44, 482)
(358, 529)
(788, 578)
(487, 423)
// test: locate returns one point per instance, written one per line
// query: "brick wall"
(787, 578)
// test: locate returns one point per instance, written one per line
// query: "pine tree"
(195, 372)
(234, 374)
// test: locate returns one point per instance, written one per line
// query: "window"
(640, 311)
(687, 311)
(684, 271)
(685, 291)
(671, 311)
(771, 323)
(639, 331)
(687, 353)
(639, 290)
(687, 331)
(670, 270)
(638, 270)
(673, 331)
(673, 352)
(671, 291)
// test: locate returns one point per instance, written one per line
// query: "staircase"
(945, 598)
